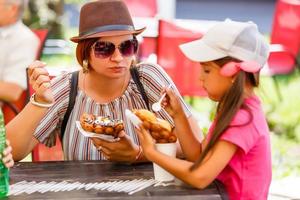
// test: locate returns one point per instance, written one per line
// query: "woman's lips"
(117, 69)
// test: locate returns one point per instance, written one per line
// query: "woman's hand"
(40, 81)
(146, 141)
(7, 158)
(172, 104)
(123, 150)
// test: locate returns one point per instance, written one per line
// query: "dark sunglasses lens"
(104, 49)
(128, 47)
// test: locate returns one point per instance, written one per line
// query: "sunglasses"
(103, 49)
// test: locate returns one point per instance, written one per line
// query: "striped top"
(75, 145)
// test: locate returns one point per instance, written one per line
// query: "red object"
(11, 109)
(183, 72)
(285, 37)
(145, 8)
(147, 47)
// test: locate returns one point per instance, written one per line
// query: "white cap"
(240, 40)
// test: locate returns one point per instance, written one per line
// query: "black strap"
(136, 78)
(72, 98)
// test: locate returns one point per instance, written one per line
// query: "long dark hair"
(230, 103)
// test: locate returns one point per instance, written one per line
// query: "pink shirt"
(248, 174)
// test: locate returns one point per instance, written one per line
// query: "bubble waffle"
(161, 130)
(101, 125)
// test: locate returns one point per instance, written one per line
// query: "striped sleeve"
(154, 78)
(51, 122)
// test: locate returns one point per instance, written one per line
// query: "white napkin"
(108, 138)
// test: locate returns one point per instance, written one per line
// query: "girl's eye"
(206, 70)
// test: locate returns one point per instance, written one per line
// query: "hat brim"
(199, 51)
(77, 39)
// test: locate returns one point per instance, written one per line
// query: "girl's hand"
(7, 158)
(172, 104)
(124, 150)
(40, 81)
(146, 141)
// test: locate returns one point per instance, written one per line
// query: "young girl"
(236, 150)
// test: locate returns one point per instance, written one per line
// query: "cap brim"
(199, 51)
(76, 39)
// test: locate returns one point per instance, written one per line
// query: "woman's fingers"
(37, 74)
(34, 66)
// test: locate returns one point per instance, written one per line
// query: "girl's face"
(213, 82)
(115, 65)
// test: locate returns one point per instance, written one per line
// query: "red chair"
(285, 41)
(183, 72)
(138, 8)
(285, 37)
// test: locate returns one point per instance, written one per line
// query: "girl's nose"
(201, 75)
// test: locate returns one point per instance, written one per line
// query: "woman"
(106, 50)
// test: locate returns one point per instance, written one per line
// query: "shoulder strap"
(136, 78)
(72, 98)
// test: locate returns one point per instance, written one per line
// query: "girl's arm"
(190, 141)
(215, 161)
(20, 130)
(186, 129)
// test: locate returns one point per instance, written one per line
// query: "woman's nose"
(117, 56)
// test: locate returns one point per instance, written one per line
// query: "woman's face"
(116, 65)
(213, 82)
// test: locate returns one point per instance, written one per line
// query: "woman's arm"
(20, 130)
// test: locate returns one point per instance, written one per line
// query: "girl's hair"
(228, 106)
(83, 49)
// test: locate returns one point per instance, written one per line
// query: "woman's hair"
(83, 49)
(228, 106)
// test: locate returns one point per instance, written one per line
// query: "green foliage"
(46, 14)
(283, 111)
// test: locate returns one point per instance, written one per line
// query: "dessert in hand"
(101, 125)
(161, 130)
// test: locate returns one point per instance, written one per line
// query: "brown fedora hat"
(105, 18)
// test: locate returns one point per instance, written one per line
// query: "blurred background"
(171, 22)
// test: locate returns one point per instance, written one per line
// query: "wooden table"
(97, 171)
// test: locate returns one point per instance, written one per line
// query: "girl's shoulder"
(246, 114)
